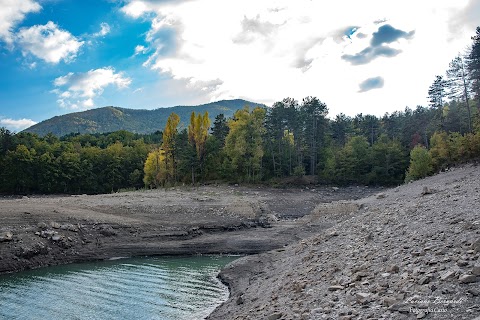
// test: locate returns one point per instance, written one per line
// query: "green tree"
(473, 66)
(354, 161)
(220, 128)
(420, 164)
(459, 84)
(388, 162)
(313, 114)
(244, 143)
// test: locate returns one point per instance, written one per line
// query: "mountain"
(109, 119)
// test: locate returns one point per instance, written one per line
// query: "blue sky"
(62, 56)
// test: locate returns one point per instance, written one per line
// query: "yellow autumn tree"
(155, 169)
(197, 136)
(168, 146)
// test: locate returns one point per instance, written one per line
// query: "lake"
(137, 288)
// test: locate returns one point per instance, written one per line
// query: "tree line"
(291, 139)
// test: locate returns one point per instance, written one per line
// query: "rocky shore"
(412, 252)
(38, 231)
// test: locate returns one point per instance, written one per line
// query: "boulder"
(6, 237)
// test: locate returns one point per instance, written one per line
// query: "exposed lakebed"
(140, 288)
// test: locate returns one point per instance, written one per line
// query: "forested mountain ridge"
(110, 119)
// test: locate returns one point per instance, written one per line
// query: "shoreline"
(43, 231)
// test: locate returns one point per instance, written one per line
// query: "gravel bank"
(412, 252)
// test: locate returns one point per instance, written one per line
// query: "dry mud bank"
(49, 230)
(406, 253)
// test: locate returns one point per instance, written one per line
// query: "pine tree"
(459, 84)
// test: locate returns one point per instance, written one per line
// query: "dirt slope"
(43, 231)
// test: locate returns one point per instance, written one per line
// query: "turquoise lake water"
(140, 288)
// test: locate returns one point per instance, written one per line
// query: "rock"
(240, 300)
(476, 270)
(42, 226)
(381, 196)
(56, 237)
(362, 297)
(107, 231)
(335, 288)
(426, 190)
(474, 292)
(476, 246)
(6, 237)
(424, 280)
(421, 315)
(389, 301)
(275, 316)
(393, 269)
(55, 225)
(467, 278)
(447, 275)
(47, 233)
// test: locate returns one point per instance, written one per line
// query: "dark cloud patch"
(371, 83)
(384, 35)
(388, 34)
(361, 35)
(254, 28)
(370, 53)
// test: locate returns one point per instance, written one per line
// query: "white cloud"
(13, 12)
(266, 50)
(140, 50)
(104, 30)
(49, 43)
(16, 125)
(78, 90)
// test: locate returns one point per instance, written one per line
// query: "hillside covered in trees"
(261, 144)
(110, 119)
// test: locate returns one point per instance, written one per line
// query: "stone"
(467, 278)
(476, 270)
(421, 315)
(335, 288)
(389, 301)
(447, 275)
(6, 237)
(393, 268)
(424, 280)
(42, 225)
(476, 245)
(275, 316)
(381, 196)
(55, 225)
(474, 292)
(362, 297)
(426, 190)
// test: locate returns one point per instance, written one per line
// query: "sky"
(370, 57)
